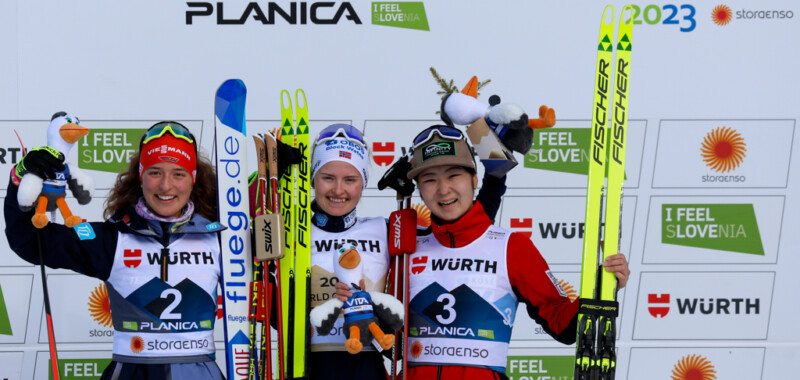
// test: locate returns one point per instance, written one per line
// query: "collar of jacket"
(329, 223)
(464, 230)
(197, 224)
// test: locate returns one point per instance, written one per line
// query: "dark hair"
(128, 189)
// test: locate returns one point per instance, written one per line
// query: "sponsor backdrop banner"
(710, 210)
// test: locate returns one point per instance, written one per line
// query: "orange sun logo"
(571, 292)
(137, 344)
(99, 307)
(423, 215)
(721, 15)
(723, 149)
(694, 367)
(416, 349)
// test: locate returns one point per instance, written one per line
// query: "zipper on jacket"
(452, 240)
(439, 373)
(164, 251)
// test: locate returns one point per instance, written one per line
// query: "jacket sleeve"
(534, 285)
(62, 247)
(490, 194)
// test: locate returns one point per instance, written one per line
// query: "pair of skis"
(295, 266)
(595, 351)
(267, 230)
(239, 276)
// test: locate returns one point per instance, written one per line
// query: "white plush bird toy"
(45, 193)
(364, 312)
(509, 121)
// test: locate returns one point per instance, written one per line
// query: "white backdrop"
(711, 291)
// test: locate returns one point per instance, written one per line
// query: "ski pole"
(51, 335)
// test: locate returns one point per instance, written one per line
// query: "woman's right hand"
(343, 290)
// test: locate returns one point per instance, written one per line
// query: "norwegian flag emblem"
(133, 257)
(346, 155)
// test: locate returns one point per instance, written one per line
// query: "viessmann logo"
(722, 14)
(660, 305)
(409, 15)
(694, 367)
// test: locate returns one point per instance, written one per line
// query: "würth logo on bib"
(418, 264)
(133, 257)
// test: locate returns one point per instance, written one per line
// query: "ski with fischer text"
(595, 351)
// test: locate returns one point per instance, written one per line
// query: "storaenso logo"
(725, 227)
(694, 367)
(723, 150)
(293, 13)
(5, 322)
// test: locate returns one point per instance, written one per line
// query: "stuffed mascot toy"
(509, 121)
(47, 194)
(364, 312)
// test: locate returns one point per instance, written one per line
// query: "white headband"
(341, 149)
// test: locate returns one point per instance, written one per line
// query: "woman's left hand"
(618, 265)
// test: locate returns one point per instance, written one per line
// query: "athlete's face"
(166, 188)
(337, 188)
(447, 191)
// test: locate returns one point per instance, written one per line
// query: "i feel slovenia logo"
(724, 227)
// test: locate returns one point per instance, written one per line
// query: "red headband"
(170, 149)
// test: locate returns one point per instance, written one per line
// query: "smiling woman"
(162, 205)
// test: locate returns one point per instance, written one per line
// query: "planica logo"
(292, 13)
(693, 367)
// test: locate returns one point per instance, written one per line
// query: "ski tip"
(229, 104)
(299, 95)
(629, 9)
(608, 18)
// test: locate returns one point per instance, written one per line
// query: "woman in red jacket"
(468, 275)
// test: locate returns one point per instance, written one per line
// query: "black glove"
(42, 162)
(287, 155)
(397, 177)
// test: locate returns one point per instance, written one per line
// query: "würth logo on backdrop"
(721, 15)
(659, 305)
(522, 223)
(723, 149)
(383, 153)
(423, 215)
(99, 307)
(133, 257)
(693, 367)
